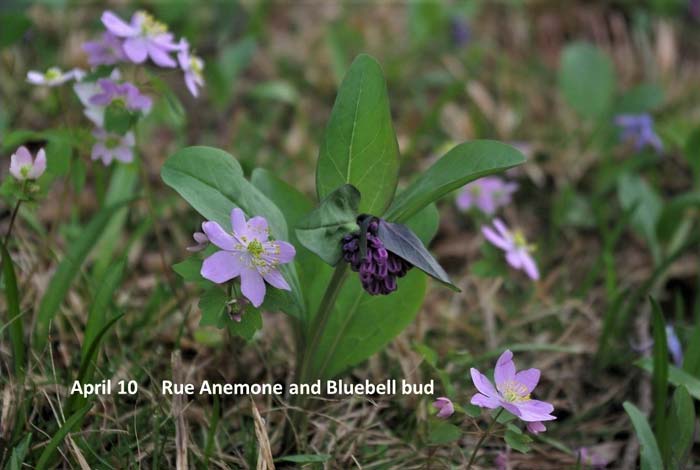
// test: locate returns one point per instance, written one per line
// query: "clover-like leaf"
(323, 229)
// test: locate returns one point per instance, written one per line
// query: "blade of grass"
(676, 376)
(660, 378)
(87, 364)
(15, 328)
(67, 270)
(47, 455)
(650, 455)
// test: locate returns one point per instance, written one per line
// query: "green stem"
(321, 319)
(483, 438)
(14, 214)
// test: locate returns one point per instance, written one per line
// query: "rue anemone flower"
(86, 90)
(105, 51)
(192, 66)
(486, 194)
(54, 76)
(444, 406)
(518, 251)
(25, 167)
(380, 268)
(144, 37)
(248, 253)
(639, 130)
(512, 392)
(125, 93)
(110, 146)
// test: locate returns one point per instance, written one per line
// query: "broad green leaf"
(13, 25)
(442, 432)
(425, 223)
(660, 377)
(190, 271)
(359, 146)
(587, 79)
(461, 165)
(640, 99)
(636, 193)
(517, 440)
(212, 181)
(650, 455)
(212, 303)
(13, 318)
(47, 454)
(323, 229)
(67, 270)
(361, 324)
(401, 241)
(681, 427)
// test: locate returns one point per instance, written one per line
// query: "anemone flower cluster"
(378, 269)
(248, 253)
(512, 392)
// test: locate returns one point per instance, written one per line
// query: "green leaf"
(14, 319)
(517, 440)
(19, 453)
(660, 377)
(13, 25)
(461, 165)
(442, 432)
(681, 427)
(67, 270)
(212, 181)
(361, 324)
(636, 193)
(359, 146)
(212, 303)
(640, 99)
(650, 455)
(323, 229)
(676, 376)
(251, 322)
(692, 153)
(118, 118)
(399, 239)
(72, 422)
(425, 223)
(190, 271)
(276, 90)
(587, 79)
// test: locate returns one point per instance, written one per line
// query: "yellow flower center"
(53, 73)
(196, 65)
(521, 242)
(150, 26)
(24, 170)
(515, 392)
(255, 248)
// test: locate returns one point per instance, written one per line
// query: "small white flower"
(54, 76)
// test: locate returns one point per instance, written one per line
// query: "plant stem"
(14, 215)
(321, 319)
(483, 438)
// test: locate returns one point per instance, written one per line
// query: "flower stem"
(483, 438)
(321, 319)
(14, 215)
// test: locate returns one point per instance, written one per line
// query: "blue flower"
(638, 129)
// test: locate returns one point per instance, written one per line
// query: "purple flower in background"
(461, 33)
(105, 51)
(518, 251)
(674, 345)
(85, 91)
(246, 252)
(192, 66)
(54, 76)
(536, 427)
(589, 458)
(638, 129)
(125, 93)
(512, 392)
(110, 146)
(380, 268)
(24, 167)
(444, 406)
(201, 239)
(486, 194)
(143, 37)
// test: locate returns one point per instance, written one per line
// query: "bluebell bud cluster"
(379, 269)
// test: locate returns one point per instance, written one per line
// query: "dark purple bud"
(390, 283)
